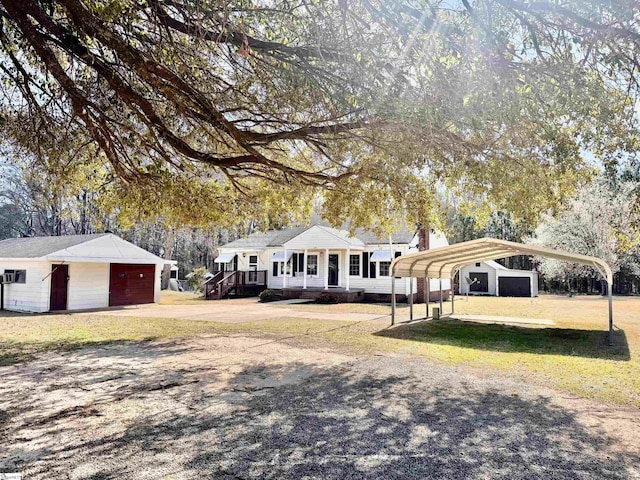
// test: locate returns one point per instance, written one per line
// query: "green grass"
(571, 357)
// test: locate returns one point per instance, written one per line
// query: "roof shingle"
(36, 247)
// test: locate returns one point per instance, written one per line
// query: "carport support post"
(393, 296)
(440, 281)
(453, 297)
(427, 287)
(610, 288)
(410, 298)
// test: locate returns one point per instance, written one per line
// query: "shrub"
(326, 298)
(269, 296)
(196, 279)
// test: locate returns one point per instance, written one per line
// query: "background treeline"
(601, 219)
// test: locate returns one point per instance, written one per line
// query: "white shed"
(74, 272)
(491, 278)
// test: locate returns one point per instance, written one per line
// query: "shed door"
(480, 282)
(59, 284)
(131, 284)
(514, 286)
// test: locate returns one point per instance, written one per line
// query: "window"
(19, 276)
(253, 267)
(174, 274)
(312, 265)
(354, 265)
(372, 267)
(477, 264)
(396, 255)
(298, 264)
(384, 269)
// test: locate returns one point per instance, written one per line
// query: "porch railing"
(240, 282)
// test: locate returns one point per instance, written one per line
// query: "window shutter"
(294, 261)
(275, 269)
(372, 269)
(301, 262)
(365, 263)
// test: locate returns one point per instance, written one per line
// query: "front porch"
(342, 295)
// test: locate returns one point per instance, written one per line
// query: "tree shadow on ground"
(508, 338)
(305, 421)
(14, 352)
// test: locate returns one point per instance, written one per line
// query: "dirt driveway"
(234, 407)
(231, 311)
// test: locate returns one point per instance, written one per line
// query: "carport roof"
(443, 262)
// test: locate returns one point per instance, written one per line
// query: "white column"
(326, 269)
(304, 274)
(347, 267)
(284, 278)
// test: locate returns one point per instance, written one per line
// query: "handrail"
(215, 275)
(228, 276)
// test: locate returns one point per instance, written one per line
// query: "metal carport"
(444, 262)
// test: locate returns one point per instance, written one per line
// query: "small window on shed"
(19, 276)
(477, 264)
(174, 274)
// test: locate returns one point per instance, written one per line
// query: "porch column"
(347, 267)
(284, 278)
(304, 274)
(326, 269)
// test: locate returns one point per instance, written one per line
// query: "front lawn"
(571, 357)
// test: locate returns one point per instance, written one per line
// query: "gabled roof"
(318, 236)
(277, 238)
(95, 248)
(495, 265)
(36, 247)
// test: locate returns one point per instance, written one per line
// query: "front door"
(59, 283)
(333, 270)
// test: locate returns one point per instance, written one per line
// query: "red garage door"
(130, 284)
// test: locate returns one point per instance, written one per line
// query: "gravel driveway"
(244, 408)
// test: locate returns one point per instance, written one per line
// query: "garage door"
(131, 284)
(514, 286)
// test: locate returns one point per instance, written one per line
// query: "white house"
(491, 278)
(42, 274)
(318, 258)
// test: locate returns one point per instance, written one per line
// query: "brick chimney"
(423, 244)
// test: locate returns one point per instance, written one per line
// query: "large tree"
(602, 221)
(257, 105)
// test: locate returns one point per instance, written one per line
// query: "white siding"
(88, 285)
(32, 296)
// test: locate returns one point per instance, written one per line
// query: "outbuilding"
(491, 278)
(74, 272)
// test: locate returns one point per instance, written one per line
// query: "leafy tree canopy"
(602, 221)
(220, 111)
